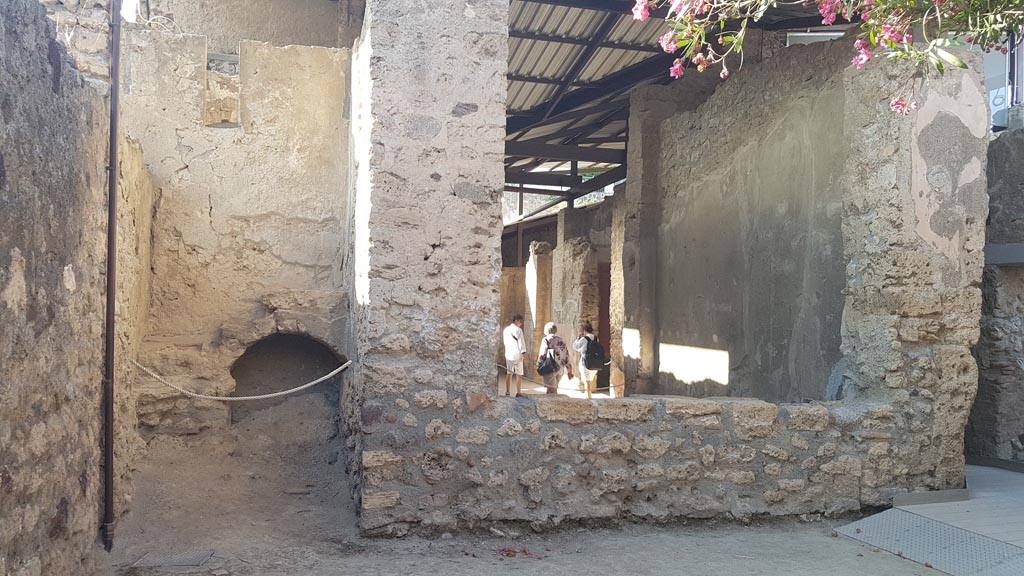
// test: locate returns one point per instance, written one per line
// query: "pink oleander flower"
(829, 9)
(677, 7)
(641, 10)
(902, 108)
(891, 34)
(724, 75)
(860, 44)
(861, 59)
(668, 41)
(677, 70)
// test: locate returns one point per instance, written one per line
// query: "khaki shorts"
(514, 366)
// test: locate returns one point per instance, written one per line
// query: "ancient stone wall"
(427, 227)
(750, 271)
(52, 284)
(996, 426)
(584, 241)
(455, 455)
(83, 27)
(249, 226)
(226, 23)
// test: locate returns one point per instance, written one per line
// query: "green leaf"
(950, 59)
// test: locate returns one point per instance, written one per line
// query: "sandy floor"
(269, 497)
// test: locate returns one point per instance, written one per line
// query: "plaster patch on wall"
(69, 278)
(15, 295)
(974, 118)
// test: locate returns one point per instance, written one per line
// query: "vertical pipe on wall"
(1012, 66)
(110, 341)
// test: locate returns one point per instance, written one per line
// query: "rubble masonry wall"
(53, 188)
(996, 426)
(439, 450)
(249, 226)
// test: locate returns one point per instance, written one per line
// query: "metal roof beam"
(540, 80)
(608, 86)
(610, 177)
(581, 63)
(541, 179)
(556, 152)
(539, 191)
(586, 130)
(581, 41)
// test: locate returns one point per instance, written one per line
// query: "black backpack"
(594, 358)
(546, 364)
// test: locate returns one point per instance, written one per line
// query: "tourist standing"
(554, 346)
(588, 377)
(515, 350)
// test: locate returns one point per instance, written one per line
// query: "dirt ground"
(269, 496)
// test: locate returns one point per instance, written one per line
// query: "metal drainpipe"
(1012, 81)
(108, 364)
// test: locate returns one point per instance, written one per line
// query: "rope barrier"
(191, 394)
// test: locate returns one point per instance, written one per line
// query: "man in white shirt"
(515, 350)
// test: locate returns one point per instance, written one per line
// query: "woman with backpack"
(582, 345)
(553, 356)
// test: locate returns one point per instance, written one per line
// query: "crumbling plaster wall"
(439, 450)
(52, 284)
(248, 230)
(996, 426)
(226, 23)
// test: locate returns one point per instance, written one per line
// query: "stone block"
(625, 410)
(809, 418)
(614, 442)
(689, 472)
(569, 410)
(734, 476)
(651, 446)
(378, 458)
(474, 400)
(710, 422)
(379, 500)
(707, 455)
(775, 452)
(792, 485)
(555, 439)
(510, 427)
(689, 407)
(431, 399)
(437, 429)
(479, 436)
(752, 418)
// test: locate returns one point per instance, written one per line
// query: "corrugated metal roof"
(549, 41)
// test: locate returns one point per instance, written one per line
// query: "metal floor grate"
(165, 559)
(947, 548)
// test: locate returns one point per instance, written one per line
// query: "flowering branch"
(706, 32)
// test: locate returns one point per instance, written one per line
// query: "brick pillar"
(429, 113)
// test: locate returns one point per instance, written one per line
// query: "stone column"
(429, 110)
(634, 238)
(538, 287)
